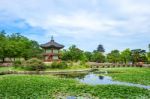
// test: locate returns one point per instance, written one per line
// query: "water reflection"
(71, 97)
(72, 75)
(101, 77)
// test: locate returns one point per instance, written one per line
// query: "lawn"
(130, 74)
(6, 68)
(46, 87)
(2, 69)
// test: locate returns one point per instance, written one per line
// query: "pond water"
(93, 79)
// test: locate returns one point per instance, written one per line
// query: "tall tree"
(100, 48)
(149, 47)
(138, 55)
(88, 55)
(3, 42)
(148, 54)
(148, 57)
(98, 57)
(73, 54)
(126, 56)
(31, 49)
(17, 46)
(113, 56)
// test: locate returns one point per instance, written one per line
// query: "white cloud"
(84, 20)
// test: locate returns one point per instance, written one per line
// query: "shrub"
(34, 64)
(60, 65)
(17, 63)
(54, 65)
(63, 65)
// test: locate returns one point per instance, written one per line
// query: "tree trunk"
(25, 58)
(10, 59)
(3, 60)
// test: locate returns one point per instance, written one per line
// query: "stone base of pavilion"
(49, 62)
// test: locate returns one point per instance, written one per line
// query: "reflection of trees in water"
(101, 77)
(73, 75)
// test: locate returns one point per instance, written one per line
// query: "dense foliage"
(34, 64)
(115, 56)
(138, 55)
(17, 46)
(73, 54)
(59, 65)
(98, 57)
(126, 56)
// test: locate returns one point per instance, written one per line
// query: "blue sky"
(116, 24)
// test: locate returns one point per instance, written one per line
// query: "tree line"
(17, 46)
(115, 56)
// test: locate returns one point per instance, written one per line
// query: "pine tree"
(100, 48)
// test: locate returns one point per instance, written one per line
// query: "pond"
(92, 78)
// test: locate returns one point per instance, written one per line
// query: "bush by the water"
(17, 63)
(60, 65)
(34, 64)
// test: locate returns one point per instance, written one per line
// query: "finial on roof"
(52, 38)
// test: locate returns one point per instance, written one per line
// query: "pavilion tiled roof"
(52, 44)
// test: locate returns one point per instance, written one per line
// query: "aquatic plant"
(44, 87)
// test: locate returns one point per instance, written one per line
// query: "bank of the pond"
(131, 74)
(45, 72)
(45, 87)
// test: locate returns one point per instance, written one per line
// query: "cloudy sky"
(116, 24)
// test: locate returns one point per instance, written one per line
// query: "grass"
(2, 69)
(5, 68)
(130, 74)
(45, 87)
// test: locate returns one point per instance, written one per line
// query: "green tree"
(88, 55)
(126, 56)
(65, 55)
(31, 49)
(149, 47)
(138, 55)
(76, 53)
(72, 54)
(17, 46)
(114, 56)
(148, 57)
(98, 57)
(3, 43)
